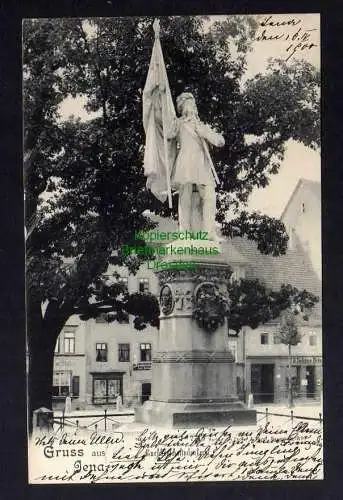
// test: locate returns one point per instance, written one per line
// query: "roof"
(293, 268)
(313, 186)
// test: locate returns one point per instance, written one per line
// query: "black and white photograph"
(172, 183)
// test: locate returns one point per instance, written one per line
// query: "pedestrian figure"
(119, 402)
(67, 408)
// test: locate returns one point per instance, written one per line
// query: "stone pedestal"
(192, 368)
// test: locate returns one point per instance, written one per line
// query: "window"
(124, 318)
(277, 338)
(123, 352)
(107, 388)
(237, 274)
(264, 338)
(99, 284)
(234, 276)
(124, 281)
(101, 352)
(69, 342)
(102, 318)
(61, 384)
(303, 208)
(145, 352)
(313, 340)
(57, 346)
(143, 285)
(75, 386)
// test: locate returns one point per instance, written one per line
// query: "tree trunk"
(290, 388)
(41, 360)
(42, 336)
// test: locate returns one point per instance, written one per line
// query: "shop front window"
(106, 389)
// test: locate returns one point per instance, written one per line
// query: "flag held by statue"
(158, 115)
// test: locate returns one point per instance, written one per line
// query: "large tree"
(90, 172)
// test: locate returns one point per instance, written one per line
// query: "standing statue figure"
(193, 171)
(176, 151)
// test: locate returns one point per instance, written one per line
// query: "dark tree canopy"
(252, 304)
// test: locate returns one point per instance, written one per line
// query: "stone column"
(192, 368)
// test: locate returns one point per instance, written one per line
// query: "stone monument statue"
(193, 374)
(193, 171)
(177, 155)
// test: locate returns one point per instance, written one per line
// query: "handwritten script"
(268, 453)
(290, 30)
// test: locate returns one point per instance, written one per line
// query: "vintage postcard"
(173, 248)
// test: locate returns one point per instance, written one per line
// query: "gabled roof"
(232, 253)
(313, 186)
(294, 268)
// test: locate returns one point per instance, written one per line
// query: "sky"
(293, 36)
(299, 161)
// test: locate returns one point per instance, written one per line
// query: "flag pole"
(166, 156)
(156, 27)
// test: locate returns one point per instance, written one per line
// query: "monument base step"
(163, 414)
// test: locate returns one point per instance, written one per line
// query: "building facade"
(70, 363)
(267, 365)
(95, 361)
(302, 218)
(262, 362)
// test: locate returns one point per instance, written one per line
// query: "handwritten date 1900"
(290, 30)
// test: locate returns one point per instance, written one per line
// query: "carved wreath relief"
(211, 306)
(167, 301)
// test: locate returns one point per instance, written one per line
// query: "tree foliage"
(289, 328)
(252, 304)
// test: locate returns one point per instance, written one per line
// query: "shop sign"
(306, 360)
(143, 365)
